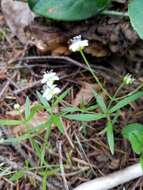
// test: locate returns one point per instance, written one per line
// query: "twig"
(61, 166)
(112, 180)
(29, 86)
(14, 165)
(5, 88)
(17, 148)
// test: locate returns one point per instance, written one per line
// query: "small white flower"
(2, 140)
(78, 44)
(50, 91)
(49, 78)
(16, 106)
(128, 79)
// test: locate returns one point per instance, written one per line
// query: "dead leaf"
(17, 15)
(114, 164)
(49, 39)
(39, 118)
(85, 93)
(61, 50)
(96, 50)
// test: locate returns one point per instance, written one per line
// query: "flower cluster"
(78, 44)
(128, 79)
(50, 89)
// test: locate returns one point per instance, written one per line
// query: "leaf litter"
(83, 139)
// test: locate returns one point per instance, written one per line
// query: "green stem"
(129, 94)
(93, 74)
(114, 97)
(114, 13)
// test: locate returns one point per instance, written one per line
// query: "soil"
(114, 50)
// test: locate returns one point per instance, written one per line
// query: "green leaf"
(85, 117)
(91, 108)
(44, 102)
(37, 148)
(135, 11)
(17, 140)
(36, 108)
(132, 128)
(136, 144)
(17, 176)
(71, 109)
(126, 101)
(8, 122)
(27, 108)
(141, 161)
(60, 98)
(58, 122)
(100, 102)
(134, 133)
(68, 10)
(110, 136)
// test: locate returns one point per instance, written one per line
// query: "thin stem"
(114, 97)
(93, 74)
(137, 89)
(114, 13)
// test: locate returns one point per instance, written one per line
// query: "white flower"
(16, 106)
(2, 140)
(50, 91)
(128, 79)
(78, 44)
(49, 78)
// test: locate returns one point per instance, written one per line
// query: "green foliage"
(68, 10)
(135, 11)
(44, 102)
(100, 102)
(125, 101)
(18, 175)
(58, 122)
(8, 122)
(85, 117)
(27, 108)
(71, 10)
(110, 135)
(134, 134)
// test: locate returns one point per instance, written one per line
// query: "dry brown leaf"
(38, 119)
(96, 50)
(49, 39)
(17, 15)
(85, 93)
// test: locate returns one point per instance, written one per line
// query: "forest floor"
(114, 50)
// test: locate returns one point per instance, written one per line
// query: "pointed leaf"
(100, 102)
(85, 117)
(7, 122)
(58, 122)
(110, 136)
(27, 108)
(126, 101)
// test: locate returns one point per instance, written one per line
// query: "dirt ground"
(114, 50)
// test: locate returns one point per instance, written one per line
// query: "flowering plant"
(50, 89)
